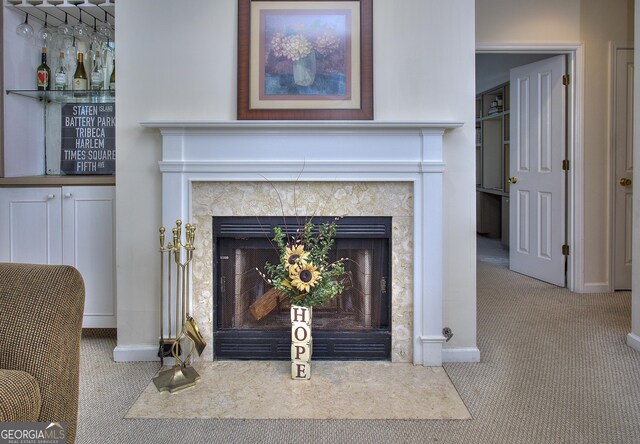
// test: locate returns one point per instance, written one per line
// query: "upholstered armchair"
(41, 309)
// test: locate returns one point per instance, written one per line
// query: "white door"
(88, 214)
(623, 147)
(30, 225)
(537, 190)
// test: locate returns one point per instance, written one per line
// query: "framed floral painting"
(305, 59)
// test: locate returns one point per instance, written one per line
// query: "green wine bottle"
(43, 73)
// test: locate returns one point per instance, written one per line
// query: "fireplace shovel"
(194, 333)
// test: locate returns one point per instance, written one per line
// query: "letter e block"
(300, 370)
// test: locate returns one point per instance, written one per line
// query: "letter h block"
(301, 342)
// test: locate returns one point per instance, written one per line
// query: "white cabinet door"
(30, 225)
(88, 245)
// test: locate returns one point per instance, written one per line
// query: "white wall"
(593, 23)
(23, 117)
(179, 63)
(528, 21)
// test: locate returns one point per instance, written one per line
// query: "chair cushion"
(19, 397)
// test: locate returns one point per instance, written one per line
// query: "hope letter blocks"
(301, 343)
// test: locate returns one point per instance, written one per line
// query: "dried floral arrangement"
(304, 272)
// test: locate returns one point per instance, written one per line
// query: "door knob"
(625, 182)
(513, 180)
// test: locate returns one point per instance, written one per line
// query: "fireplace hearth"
(354, 326)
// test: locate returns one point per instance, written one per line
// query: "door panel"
(545, 235)
(523, 222)
(623, 149)
(30, 225)
(88, 214)
(545, 147)
(538, 144)
(521, 108)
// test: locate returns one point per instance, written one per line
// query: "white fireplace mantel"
(327, 151)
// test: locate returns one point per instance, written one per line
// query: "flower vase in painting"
(304, 70)
(305, 55)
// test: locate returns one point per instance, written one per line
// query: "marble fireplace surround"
(233, 167)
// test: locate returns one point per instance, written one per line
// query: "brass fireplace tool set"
(185, 337)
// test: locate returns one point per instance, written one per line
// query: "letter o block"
(300, 333)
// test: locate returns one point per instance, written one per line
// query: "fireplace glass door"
(354, 325)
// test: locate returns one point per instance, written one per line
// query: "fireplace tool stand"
(187, 337)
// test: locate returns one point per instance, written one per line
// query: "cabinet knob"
(68, 195)
(625, 182)
(513, 180)
(50, 196)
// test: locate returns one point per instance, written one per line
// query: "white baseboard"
(133, 353)
(462, 354)
(99, 321)
(633, 341)
(596, 287)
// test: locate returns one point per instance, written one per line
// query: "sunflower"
(304, 276)
(294, 256)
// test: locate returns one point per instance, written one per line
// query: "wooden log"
(266, 303)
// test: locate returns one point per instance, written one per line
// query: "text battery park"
(88, 138)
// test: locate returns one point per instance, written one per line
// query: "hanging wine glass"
(64, 34)
(97, 39)
(105, 28)
(81, 31)
(45, 34)
(65, 29)
(24, 29)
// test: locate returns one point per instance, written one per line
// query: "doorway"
(493, 66)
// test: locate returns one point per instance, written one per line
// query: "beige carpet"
(336, 390)
(555, 369)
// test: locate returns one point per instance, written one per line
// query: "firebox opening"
(355, 325)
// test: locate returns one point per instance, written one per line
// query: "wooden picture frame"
(305, 60)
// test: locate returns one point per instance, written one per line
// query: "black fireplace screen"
(354, 325)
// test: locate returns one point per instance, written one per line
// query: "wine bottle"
(112, 79)
(43, 74)
(96, 73)
(61, 75)
(80, 76)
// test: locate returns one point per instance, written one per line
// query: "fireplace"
(373, 168)
(355, 325)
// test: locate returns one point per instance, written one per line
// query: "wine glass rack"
(100, 10)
